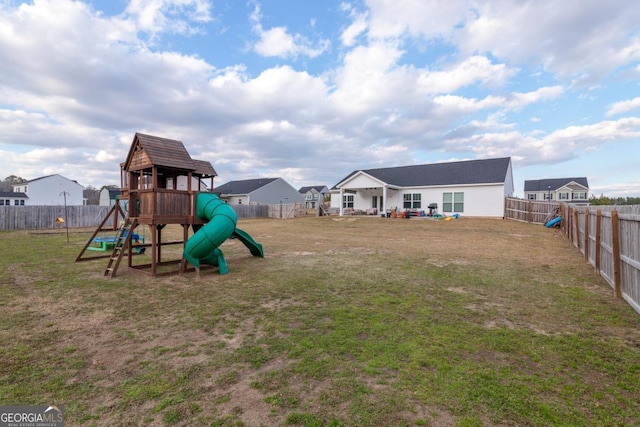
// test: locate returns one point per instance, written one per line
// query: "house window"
(347, 201)
(531, 196)
(579, 196)
(548, 196)
(412, 201)
(2, 202)
(16, 202)
(21, 202)
(453, 202)
(563, 196)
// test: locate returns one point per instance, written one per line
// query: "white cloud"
(418, 18)
(173, 16)
(623, 106)
(358, 26)
(278, 42)
(573, 38)
(84, 83)
(472, 70)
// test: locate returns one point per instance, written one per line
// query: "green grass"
(363, 322)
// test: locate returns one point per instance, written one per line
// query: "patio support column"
(341, 201)
(385, 194)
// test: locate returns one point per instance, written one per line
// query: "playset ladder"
(121, 246)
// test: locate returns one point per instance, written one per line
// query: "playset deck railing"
(162, 206)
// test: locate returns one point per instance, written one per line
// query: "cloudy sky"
(312, 90)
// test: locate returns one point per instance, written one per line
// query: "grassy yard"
(345, 322)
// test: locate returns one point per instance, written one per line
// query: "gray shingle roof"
(485, 171)
(244, 186)
(554, 183)
(318, 188)
(13, 194)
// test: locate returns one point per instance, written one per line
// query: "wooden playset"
(160, 185)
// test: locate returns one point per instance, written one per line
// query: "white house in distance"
(12, 198)
(468, 188)
(108, 196)
(313, 195)
(260, 191)
(51, 190)
(568, 190)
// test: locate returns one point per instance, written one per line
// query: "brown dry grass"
(242, 349)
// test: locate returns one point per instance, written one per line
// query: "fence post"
(586, 234)
(569, 225)
(529, 211)
(615, 243)
(597, 247)
(576, 219)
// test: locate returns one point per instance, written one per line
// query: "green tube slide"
(203, 246)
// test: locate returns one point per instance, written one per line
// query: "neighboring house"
(51, 190)
(469, 188)
(260, 191)
(313, 195)
(12, 198)
(568, 190)
(108, 196)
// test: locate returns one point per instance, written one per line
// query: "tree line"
(613, 201)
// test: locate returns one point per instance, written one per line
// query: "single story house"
(12, 198)
(568, 190)
(259, 191)
(469, 188)
(51, 190)
(313, 195)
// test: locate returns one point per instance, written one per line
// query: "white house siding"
(479, 200)
(49, 191)
(509, 186)
(361, 180)
(485, 200)
(238, 200)
(182, 181)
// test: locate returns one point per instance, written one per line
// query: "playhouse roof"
(204, 168)
(147, 151)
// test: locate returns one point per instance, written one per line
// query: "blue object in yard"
(553, 222)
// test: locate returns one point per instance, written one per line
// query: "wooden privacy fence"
(287, 210)
(607, 236)
(528, 210)
(44, 217)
